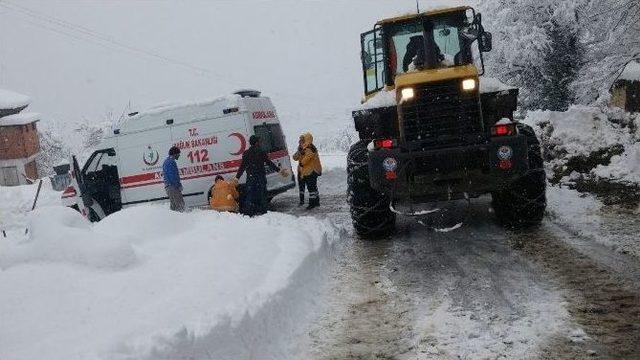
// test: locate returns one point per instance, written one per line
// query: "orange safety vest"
(224, 197)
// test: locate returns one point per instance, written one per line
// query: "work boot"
(313, 203)
(301, 203)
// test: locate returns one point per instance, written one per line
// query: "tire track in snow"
(424, 295)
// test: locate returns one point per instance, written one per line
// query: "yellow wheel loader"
(433, 129)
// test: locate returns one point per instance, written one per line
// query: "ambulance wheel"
(370, 211)
(523, 203)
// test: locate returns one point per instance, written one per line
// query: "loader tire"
(523, 203)
(370, 211)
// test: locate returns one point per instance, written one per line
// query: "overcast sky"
(82, 59)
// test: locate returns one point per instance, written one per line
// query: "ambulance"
(212, 136)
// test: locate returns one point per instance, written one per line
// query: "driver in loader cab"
(415, 53)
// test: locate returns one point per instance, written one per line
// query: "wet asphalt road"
(479, 292)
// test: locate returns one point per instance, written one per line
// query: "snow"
(504, 121)
(631, 72)
(582, 131)
(449, 229)
(331, 161)
(228, 101)
(489, 85)
(16, 202)
(623, 168)
(584, 216)
(19, 119)
(383, 98)
(142, 277)
(12, 100)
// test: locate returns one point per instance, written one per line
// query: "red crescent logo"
(243, 143)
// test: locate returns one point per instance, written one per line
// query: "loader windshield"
(430, 43)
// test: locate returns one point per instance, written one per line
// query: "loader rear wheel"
(523, 203)
(370, 211)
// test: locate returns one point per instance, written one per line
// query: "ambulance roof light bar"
(248, 93)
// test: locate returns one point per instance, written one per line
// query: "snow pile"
(383, 98)
(143, 277)
(12, 100)
(631, 72)
(586, 217)
(623, 168)
(16, 202)
(489, 85)
(589, 142)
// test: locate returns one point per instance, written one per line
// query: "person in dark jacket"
(172, 184)
(253, 162)
(415, 53)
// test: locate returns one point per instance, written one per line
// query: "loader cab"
(422, 44)
(431, 63)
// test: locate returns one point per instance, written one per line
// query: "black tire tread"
(370, 211)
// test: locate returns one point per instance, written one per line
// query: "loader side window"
(372, 60)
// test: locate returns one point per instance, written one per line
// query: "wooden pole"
(35, 201)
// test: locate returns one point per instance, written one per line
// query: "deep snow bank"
(16, 202)
(134, 281)
(594, 149)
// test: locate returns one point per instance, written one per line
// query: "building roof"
(13, 100)
(631, 72)
(19, 119)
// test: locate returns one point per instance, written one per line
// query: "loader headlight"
(407, 94)
(469, 84)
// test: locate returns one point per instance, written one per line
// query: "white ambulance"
(212, 135)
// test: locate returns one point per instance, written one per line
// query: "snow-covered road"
(478, 292)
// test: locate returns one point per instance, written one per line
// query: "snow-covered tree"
(59, 141)
(612, 39)
(560, 52)
(536, 47)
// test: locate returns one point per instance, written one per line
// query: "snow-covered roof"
(19, 119)
(13, 100)
(631, 72)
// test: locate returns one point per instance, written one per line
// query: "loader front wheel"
(370, 211)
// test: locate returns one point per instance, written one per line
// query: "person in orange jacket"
(309, 169)
(224, 196)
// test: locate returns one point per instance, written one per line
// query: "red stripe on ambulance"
(191, 172)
